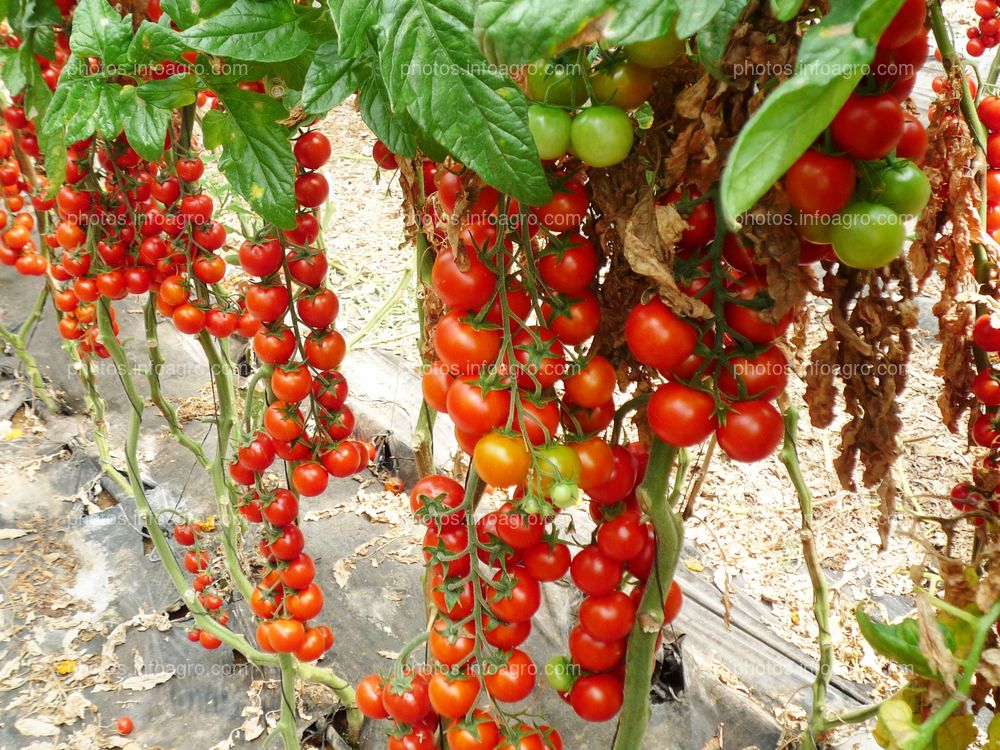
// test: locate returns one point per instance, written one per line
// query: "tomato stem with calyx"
(640, 656)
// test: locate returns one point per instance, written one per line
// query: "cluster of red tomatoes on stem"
(855, 190)
(130, 227)
(211, 593)
(986, 34)
(512, 374)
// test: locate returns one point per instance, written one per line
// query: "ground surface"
(91, 630)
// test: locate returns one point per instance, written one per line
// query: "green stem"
(821, 592)
(286, 728)
(423, 433)
(641, 654)
(623, 411)
(18, 342)
(376, 319)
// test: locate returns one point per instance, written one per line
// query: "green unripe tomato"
(561, 673)
(655, 53)
(905, 189)
(868, 235)
(549, 127)
(565, 495)
(602, 136)
(557, 83)
(555, 465)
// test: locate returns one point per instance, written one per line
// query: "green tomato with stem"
(565, 495)
(602, 136)
(868, 235)
(549, 127)
(656, 53)
(557, 83)
(905, 188)
(561, 673)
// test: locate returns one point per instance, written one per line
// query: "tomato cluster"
(211, 588)
(986, 34)
(611, 572)
(126, 226)
(600, 134)
(853, 201)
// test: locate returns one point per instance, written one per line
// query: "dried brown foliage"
(867, 349)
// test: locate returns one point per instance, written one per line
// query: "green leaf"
(713, 39)
(187, 13)
(353, 20)
(4, 9)
(37, 95)
(145, 124)
(831, 61)
(785, 10)
(100, 31)
(330, 80)
(168, 93)
(695, 15)
(52, 133)
(37, 13)
(433, 71)
(395, 131)
(957, 733)
(896, 718)
(257, 30)
(213, 128)
(257, 155)
(640, 21)
(95, 109)
(16, 69)
(524, 30)
(155, 43)
(899, 642)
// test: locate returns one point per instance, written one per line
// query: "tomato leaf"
(16, 67)
(213, 129)
(257, 30)
(637, 22)
(899, 642)
(168, 93)
(145, 124)
(694, 15)
(353, 20)
(785, 10)
(329, 80)
(831, 61)
(99, 30)
(257, 156)
(186, 13)
(155, 43)
(524, 30)
(433, 71)
(35, 13)
(897, 718)
(52, 134)
(394, 130)
(713, 39)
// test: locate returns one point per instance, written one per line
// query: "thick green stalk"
(18, 342)
(286, 728)
(641, 654)
(821, 592)
(423, 434)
